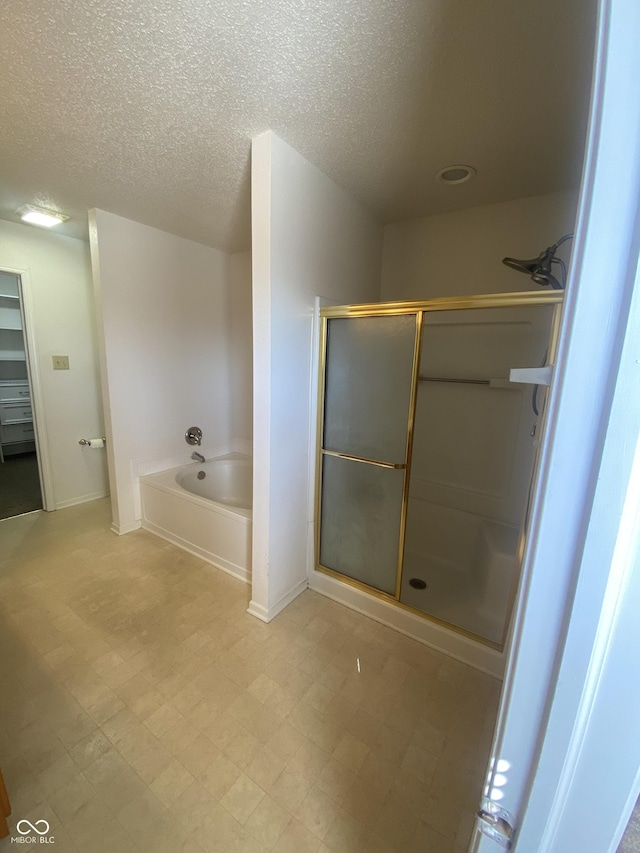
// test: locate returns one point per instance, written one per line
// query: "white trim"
(94, 496)
(454, 645)
(570, 716)
(260, 612)
(123, 529)
(104, 377)
(217, 562)
(35, 387)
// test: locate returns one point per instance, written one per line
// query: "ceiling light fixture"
(40, 216)
(458, 174)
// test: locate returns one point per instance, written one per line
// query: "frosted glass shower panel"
(369, 369)
(474, 445)
(361, 515)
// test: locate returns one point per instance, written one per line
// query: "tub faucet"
(197, 456)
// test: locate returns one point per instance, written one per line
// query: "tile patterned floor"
(142, 709)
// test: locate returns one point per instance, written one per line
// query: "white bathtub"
(209, 516)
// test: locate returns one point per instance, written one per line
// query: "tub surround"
(216, 532)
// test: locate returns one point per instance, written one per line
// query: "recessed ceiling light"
(457, 174)
(40, 216)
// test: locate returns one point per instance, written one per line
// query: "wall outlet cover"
(60, 362)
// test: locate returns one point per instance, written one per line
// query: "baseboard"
(266, 615)
(258, 611)
(217, 562)
(123, 529)
(454, 645)
(83, 499)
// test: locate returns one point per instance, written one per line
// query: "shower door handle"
(397, 466)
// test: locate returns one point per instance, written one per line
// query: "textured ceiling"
(147, 109)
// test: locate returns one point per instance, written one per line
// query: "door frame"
(35, 385)
(569, 721)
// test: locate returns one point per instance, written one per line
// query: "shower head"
(540, 269)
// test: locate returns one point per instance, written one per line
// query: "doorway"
(20, 482)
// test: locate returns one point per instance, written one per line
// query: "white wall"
(164, 312)
(241, 351)
(310, 238)
(60, 304)
(460, 253)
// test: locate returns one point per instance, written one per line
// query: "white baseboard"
(122, 529)
(450, 643)
(258, 611)
(266, 615)
(232, 569)
(83, 499)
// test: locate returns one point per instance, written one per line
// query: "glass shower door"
(474, 446)
(369, 397)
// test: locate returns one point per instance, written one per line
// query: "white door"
(559, 792)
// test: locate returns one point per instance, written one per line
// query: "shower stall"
(426, 450)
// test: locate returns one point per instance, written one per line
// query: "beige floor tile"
(264, 768)
(172, 782)
(351, 752)
(267, 822)
(346, 834)
(336, 780)
(317, 812)
(242, 748)
(193, 805)
(427, 840)
(133, 670)
(262, 687)
(162, 719)
(242, 798)
(197, 755)
(285, 741)
(67, 799)
(94, 827)
(220, 776)
(420, 763)
(61, 771)
(290, 789)
(309, 760)
(297, 839)
(87, 750)
(220, 831)
(396, 824)
(141, 815)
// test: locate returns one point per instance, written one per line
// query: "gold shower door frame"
(382, 309)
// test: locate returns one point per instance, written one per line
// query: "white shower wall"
(460, 253)
(164, 319)
(472, 450)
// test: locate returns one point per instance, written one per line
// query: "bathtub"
(205, 509)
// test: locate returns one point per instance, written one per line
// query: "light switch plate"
(60, 362)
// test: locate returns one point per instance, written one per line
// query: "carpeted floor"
(19, 485)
